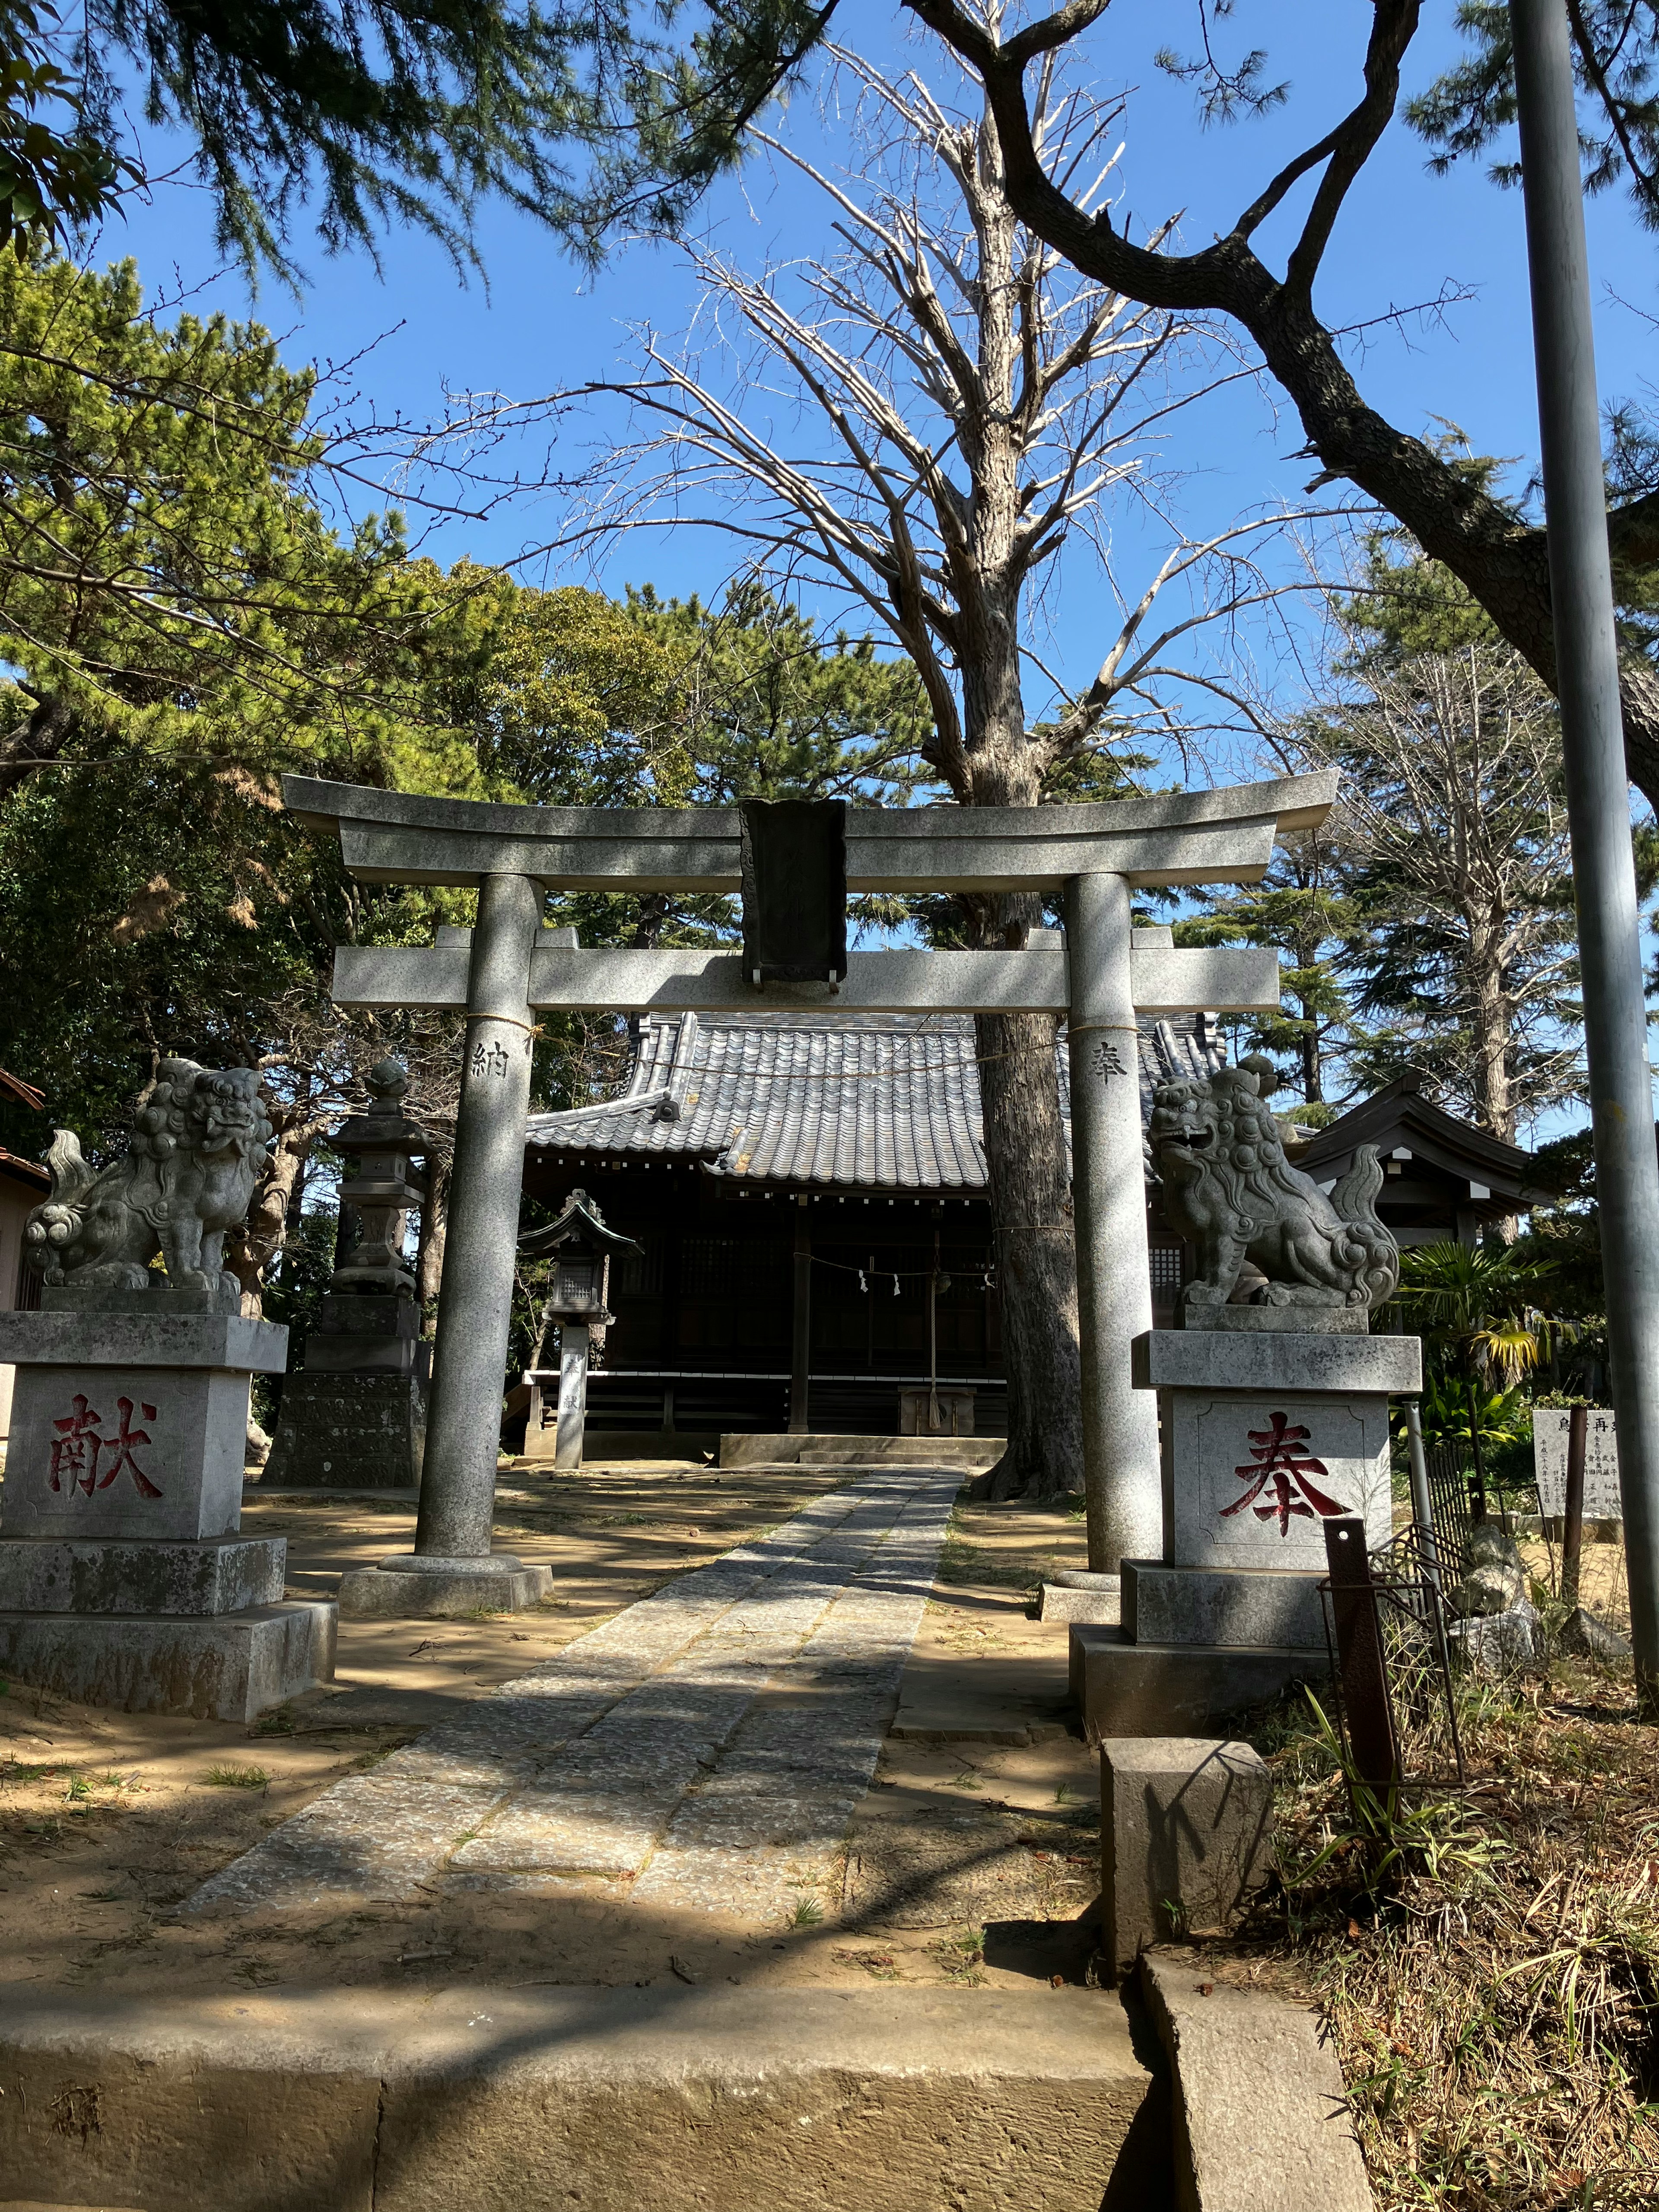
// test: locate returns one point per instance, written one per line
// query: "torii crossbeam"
(1093, 855)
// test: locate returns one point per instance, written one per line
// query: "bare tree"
(1455, 834)
(313, 1072)
(1485, 540)
(966, 402)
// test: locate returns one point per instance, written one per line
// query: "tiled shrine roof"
(871, 1101)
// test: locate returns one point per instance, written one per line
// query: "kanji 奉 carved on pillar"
(197, 1150)
(1229, 1191)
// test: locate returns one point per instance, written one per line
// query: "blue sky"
(1405, 238)
(540, 323)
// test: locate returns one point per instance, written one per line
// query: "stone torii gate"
(1093, 855)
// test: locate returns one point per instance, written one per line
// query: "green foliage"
(1304, 910)
(169, 573)
(1452, 1412)
(56, 177)
(571, 704)
(364, 115)
(1472, 1304)
(1407, 604)
(1398, 1834)
(1615, 57)
(766, 709)
(149, 908)
(369, 113)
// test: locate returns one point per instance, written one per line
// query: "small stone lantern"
(579, 1243)
(353, 1417)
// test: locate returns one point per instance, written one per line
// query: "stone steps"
(779, 1449)
(754, 2099)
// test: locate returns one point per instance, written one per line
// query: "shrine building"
(809, 1195)
(793, 1182)
(1441, 1178)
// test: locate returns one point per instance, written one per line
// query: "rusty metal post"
(1572, 1530)
(1362, 1667)
(1422, 1498)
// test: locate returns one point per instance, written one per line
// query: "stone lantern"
(353, 1417)
(580, 1244)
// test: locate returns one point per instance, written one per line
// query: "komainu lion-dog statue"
(1229, 1191)
(197, 1151)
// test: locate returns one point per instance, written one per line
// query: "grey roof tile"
(865, 1101)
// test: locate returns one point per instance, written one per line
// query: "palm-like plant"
(1469, 1303)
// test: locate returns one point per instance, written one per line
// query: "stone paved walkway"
(707, 1746)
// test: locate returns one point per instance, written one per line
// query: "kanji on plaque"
(1279, 1466)
(78, 1441)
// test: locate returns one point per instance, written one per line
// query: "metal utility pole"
(1598, 787)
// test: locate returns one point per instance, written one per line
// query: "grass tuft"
(961, 1957)
(237, 1777)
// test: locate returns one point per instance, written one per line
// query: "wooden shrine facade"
(793, 1183)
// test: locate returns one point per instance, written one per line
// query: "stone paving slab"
(708, 1744)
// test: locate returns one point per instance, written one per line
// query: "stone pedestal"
(353, 1417)
(1266, 1434)
(418, 1586)
(123, 1580)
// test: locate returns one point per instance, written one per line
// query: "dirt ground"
(1601, 1582)
(972, 1861)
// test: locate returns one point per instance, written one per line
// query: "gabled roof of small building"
(1400, 1116)
(871, 1101)
(578, 1218)
(25, 1172)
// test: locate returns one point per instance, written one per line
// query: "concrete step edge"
(753, 2099)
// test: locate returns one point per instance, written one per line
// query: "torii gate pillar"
(464, 1422)
(1120, 1469)
(453, 1566)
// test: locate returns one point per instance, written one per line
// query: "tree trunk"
(1030, 1192)
(1036, 1257)
(434, 1227)
(1313, 1072)
(1493, 1091)
(250, 1250)
(40, 737)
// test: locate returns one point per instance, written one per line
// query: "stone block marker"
(1262, 2120)
(1186, 1835)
